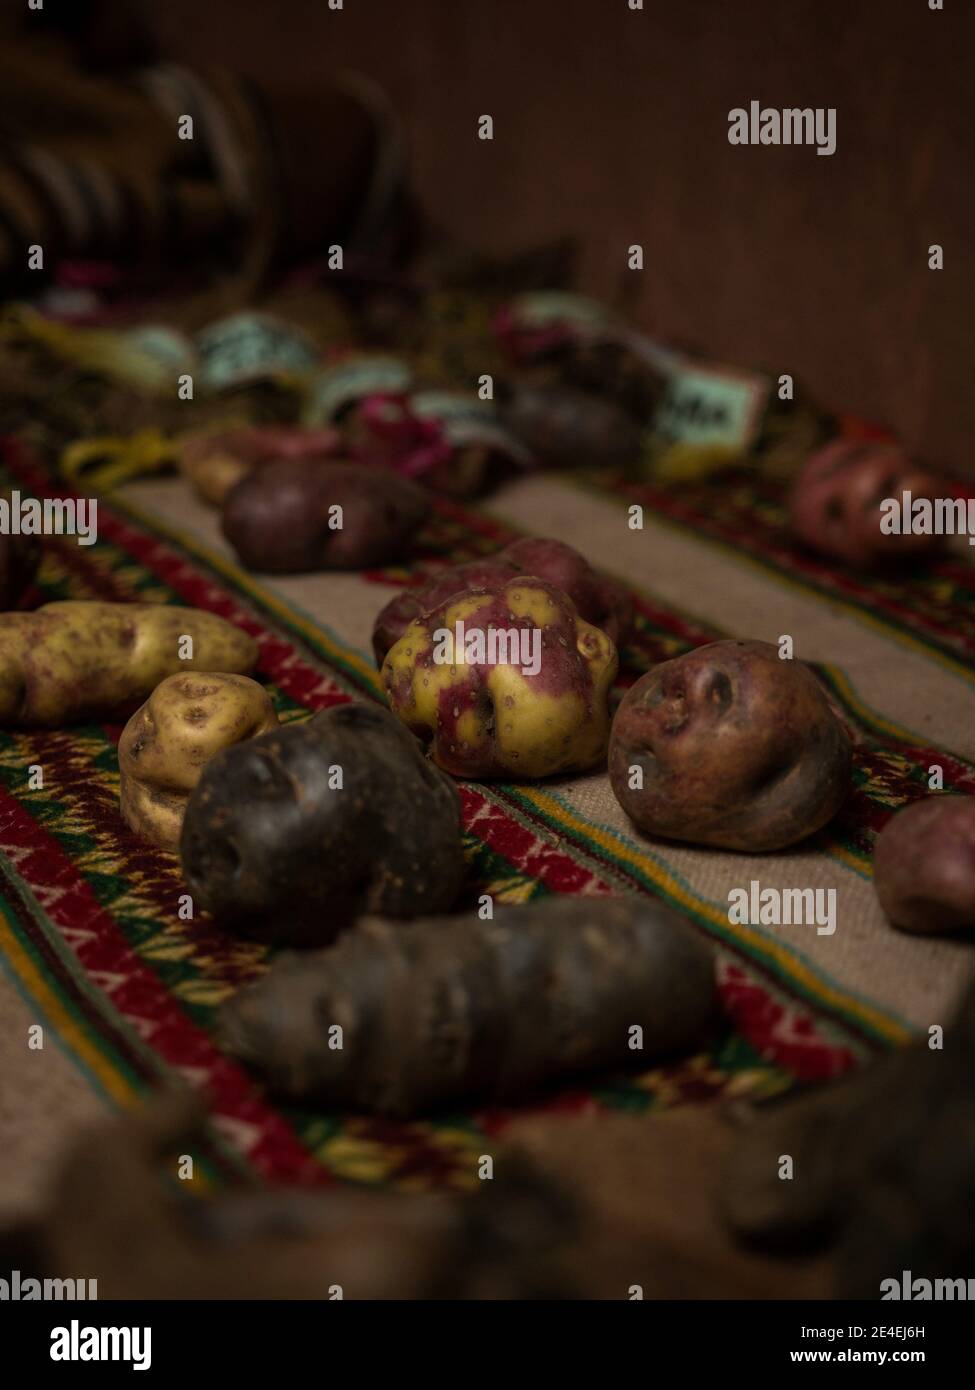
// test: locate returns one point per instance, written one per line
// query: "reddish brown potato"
(508, 682)
(305, 515)
(729, 745)
(835, 504)
(598, 599)
(924, 865)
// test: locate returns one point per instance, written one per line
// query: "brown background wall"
(613, 124)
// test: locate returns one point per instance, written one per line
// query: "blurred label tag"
(248, 347)
(164, 345)
(468, 420)
(589, 322)
(544, 307)
(711, 406)
(452, 407)
(333, 388)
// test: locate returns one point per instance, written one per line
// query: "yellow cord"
(110, 460)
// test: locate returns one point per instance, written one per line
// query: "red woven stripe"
(142, 1000)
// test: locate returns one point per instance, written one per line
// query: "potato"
(411, 604)
(567, 428)
(290, 836)
(166, 744)
(835, 503)
(598, 599)
(519, 689)
(20, 557)
(68, 662)
(457, 1008)
(729, 745)
(214, 460)
(307, 515)
(924, 865)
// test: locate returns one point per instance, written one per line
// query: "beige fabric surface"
(915, 981)
(43, 1098)
(911, 982)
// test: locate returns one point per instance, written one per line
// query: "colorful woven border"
(90, 931)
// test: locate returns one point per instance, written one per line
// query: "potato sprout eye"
(885, 488)
(262, 773)
(719, 690)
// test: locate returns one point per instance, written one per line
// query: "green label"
(248, 347)
(334, 387)
(164, 345)
(468, 420)
(711, 406)
(543, 307)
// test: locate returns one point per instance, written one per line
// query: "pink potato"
(730, 746)
(519, 689)
(598, 599)
(924, 865)
(835, 503)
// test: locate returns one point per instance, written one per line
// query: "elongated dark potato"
(310, 514)
(290, 836)
(729, 745)
(445, 1008)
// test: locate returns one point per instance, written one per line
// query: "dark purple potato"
(729, 745)
(567, 428)
(310, 514)
(290, 837)
(924, 865)
(455, 1007)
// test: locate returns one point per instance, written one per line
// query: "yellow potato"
(505, 681)
(168, 741)
(72, 661)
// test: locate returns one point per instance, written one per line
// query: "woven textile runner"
(89, 932)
